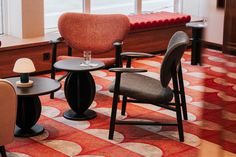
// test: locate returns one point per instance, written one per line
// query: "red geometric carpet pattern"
(203, 88)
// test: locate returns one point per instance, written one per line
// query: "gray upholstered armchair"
(143, 89)
(8, 106)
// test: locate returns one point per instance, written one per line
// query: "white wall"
(191, 7)
(214, 16)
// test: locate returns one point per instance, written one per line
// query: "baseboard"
(213, 46)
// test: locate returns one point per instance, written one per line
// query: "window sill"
(10, 42)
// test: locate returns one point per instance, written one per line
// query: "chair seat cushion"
(109, 62)
(143, 88)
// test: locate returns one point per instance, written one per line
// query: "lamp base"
(24, 85)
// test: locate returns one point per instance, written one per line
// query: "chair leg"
(124, 102)
(3, 151)
(113, 116)
(54, 59)
(180, 123)
(184, 107)
(182, 94)
(177, 103)
(52, 95)
(52, 77)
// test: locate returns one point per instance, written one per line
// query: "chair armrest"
(136, 55)
(127, 70)
(56, 41)
(130, 55)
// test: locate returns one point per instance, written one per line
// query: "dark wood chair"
(138, 88)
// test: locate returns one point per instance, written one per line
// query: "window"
(113, 6)
(157, 5)
(54, 8)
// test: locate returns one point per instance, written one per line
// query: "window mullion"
(178, 6)
(138, 6)
(86, 6)
(5, 16)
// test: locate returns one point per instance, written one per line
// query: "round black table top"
(196, 24)
(74, 65)
(41, 86)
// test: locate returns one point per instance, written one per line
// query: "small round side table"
(79, 87)
(197, 28)
(29, 105)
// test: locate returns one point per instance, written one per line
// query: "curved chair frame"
(178, 45)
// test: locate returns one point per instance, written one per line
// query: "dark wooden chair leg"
(113, 116)
(52, 77)
(54, 55)
(184, 106)
(114, 106)
(180, 123)
(3, 151)
(124, 102)
(178, 107)
(182, 94)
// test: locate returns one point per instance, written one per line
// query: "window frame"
(3, 16)
(86, 9)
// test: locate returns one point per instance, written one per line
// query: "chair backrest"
(175, 50)
(93, 32)
(8, 108)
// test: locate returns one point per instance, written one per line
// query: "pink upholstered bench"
(151, 32)
(159, 19)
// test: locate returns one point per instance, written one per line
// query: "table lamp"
(24, 66)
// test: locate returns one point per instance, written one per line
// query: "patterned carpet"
(204, 92)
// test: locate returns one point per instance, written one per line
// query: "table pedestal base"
(88, 114)
(35, 130)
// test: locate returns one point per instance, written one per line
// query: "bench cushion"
(155, 20)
